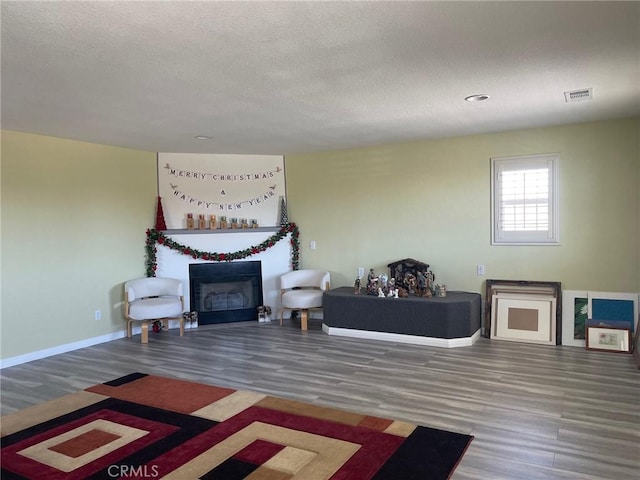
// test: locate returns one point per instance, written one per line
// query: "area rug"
(147, 426)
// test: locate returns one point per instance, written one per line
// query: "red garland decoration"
(156, 236)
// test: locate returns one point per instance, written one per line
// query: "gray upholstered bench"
(449, 321)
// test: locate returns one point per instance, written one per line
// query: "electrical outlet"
(312, 244)
(97, 315)
(360, 272)
(480, 269)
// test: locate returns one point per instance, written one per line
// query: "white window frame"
(500, 236)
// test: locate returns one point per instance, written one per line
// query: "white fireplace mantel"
(275, 260)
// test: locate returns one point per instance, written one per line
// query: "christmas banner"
(244, 188)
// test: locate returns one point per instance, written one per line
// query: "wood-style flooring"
(537, 412)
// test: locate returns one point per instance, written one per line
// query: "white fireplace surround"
(275, 260)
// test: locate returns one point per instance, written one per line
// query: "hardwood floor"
(537, 412)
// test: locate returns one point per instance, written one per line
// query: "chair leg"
(303, 319)
(129, 329)
(144, 334)
(181, 320)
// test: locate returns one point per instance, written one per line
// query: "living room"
(75, 211)
(71, 209)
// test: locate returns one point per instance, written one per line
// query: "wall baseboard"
(68, 347)
(401, 338)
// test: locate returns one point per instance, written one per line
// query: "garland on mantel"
(157, 237)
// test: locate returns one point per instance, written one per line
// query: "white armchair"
(302, 290)
(151, 299)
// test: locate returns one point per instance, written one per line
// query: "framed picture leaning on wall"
(608, 339)
(636, 347)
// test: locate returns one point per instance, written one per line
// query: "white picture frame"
(631, 297)
(569, 313)
(542, 306)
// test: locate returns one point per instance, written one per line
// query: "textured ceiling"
(292, 77)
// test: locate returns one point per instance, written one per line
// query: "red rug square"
(171, 394)
(84, 443)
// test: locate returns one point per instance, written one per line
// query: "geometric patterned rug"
(147, 426)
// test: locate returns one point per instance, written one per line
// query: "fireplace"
(225, 292)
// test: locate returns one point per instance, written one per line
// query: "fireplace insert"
(225, 292)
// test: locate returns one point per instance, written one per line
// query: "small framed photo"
(608, 339)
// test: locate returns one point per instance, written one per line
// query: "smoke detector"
(579, 95)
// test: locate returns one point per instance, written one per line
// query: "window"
(524, 209)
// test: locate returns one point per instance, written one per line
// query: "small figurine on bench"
(410, 283)
(392, 290)
(372, 283)
(422, 283)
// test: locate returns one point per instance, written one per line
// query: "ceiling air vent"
(579, 95)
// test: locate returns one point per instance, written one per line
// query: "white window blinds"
(524, 205)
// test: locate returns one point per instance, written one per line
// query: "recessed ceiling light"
(477, 98)
(203, 137)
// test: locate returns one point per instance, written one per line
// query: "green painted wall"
(74, 217)
(431, 201)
